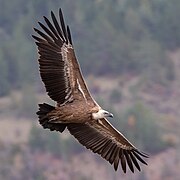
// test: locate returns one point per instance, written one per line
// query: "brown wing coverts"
(107, 147)
(53, 67)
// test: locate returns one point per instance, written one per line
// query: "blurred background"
(129, 51)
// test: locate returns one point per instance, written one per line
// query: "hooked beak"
(110, 115)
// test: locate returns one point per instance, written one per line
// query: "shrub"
(140, 125)
(43, 140)
(48, 141)
(115, 96)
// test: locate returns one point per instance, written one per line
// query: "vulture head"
(102, 114)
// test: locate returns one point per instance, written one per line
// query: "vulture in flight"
(76, 109)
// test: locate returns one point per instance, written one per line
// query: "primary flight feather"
(76, 110)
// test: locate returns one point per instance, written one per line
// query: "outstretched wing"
(59, 68)
(102, 138)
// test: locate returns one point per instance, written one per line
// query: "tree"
(4, 83)
(140, 125)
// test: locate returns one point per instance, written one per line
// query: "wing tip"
(60, 12)
(69, 35)
(61, 28)
(64, 30)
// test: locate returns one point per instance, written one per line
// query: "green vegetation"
(47, 141)
(41, 140)
(115, 96)
(28, 103)
(140, 124)
(116, 37)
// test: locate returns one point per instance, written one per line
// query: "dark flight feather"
(94, 137)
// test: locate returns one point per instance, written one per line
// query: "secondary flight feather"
(76, 110)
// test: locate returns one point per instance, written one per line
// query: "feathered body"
(82, 112)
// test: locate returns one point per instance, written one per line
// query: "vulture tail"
(44, 109)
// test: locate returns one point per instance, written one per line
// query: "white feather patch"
(80, 89)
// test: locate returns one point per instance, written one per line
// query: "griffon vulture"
(76, 109)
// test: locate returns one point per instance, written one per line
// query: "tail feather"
(44, 109)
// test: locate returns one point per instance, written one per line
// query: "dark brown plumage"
(76, 110)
